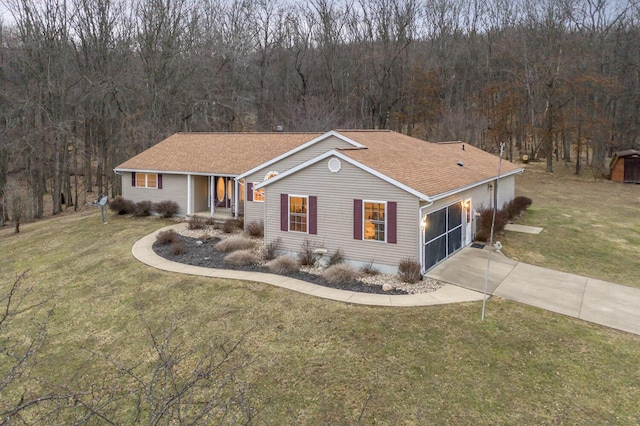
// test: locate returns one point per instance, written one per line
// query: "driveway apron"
(613, 305)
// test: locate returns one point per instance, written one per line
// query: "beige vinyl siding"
(335, 194)
(254, 211)
(174, 188)
(200, 193)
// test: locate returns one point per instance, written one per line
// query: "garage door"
(442, 234)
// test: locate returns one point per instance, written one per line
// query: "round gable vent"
(334, 165)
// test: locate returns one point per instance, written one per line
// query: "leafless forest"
(88, 83)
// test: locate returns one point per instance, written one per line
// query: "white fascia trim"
(473, 185)
(300, 148)
(172, 172)
(351, 161)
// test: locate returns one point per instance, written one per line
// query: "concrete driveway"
(600, 302)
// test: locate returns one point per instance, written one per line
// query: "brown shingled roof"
(222, 153)
(429, 168)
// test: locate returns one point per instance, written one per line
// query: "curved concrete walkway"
(143, 251)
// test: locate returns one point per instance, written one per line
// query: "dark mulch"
(201, 253)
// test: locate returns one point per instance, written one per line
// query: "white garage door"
(442, 234)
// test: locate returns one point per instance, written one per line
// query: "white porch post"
(236, 197)
(189, 195)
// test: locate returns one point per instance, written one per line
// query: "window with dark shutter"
(392, 222)
(249, 191)
(133, 179)
(313, 214)
(159, 181)
(284, 212)
(357, 219)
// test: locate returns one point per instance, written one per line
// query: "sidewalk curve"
(143, 251)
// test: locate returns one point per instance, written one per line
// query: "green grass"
(312, 360)
(591, 228)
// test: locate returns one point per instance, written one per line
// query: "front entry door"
(467, 220)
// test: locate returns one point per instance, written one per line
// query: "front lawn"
(301, 359)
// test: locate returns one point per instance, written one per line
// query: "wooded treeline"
(85, 84)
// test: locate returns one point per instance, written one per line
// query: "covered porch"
(212, 196)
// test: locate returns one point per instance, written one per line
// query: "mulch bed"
(201, 253)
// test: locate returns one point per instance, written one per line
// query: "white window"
(298, 213)
(147, 180)
(374, 220)
(258, 194)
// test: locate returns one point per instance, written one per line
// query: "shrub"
(306, 256)
(339, 274)
(167, 237)
(369, 269)
(122, 206)
(229, 226)
(143, 208)
(166, 208)
(197, 222)
(521, 203)
(283, 265)
(484, 223)
(177, 247)
(255, 229)
(270, 249)
(242, 257)
(234, 243)
(336, 258)
(409, 271)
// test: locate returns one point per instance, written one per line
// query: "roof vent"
(460, 163)
(279, 129)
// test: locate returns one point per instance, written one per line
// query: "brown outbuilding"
(625, 166)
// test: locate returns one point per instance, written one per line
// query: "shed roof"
(221, 153)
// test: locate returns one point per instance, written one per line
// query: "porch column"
(189, 196)
(236, 197)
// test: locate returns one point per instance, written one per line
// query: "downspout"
(421, 239)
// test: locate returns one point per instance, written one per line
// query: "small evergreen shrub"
(255, 229)
(122, 206)
(409, 271)
(340, 274)
(166, 208)
(177, 247)
(234, 243)
(242, 257)
(336, 258)
(196, 222)
(143, 208)
(283, 265)
(271, 249)
(167, 237)
(306, 256)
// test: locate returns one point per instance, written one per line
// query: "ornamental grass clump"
(255, 229)
(196, 222)
(271, 249)
(234, 243)
(340, 274)
(409, 271)
(167, 237)
(283, 265)
(177, 247)
(242, 257)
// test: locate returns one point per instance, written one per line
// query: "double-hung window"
(374, 221)
(298, 213)
(147, 180)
